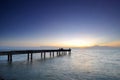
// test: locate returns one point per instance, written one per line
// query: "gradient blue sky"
(59, 22)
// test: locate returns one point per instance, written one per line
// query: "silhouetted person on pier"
(69, 49)
(60, 48)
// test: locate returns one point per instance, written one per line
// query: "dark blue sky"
(59, 22)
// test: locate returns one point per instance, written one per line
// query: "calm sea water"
(83, 64)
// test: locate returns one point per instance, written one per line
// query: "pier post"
(31, 56)
(62, 52)
(69, 52)
(44, 55)
(8, 57)
(41, 54)
(50, 54)
(53, 53)
(57, 53)
(28, 56)
(65, 52)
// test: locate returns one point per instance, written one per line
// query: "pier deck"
(30, 53)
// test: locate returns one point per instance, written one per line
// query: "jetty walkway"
(30, 53)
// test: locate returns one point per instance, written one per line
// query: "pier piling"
(44, 55)
(41, 54)
(53, 53)
(28, 56)
(50, 54)
(31, 56)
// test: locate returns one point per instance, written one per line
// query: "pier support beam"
(57, 53)
(53, 53)
(50, 54)
(28, 56)
(65, 52)
(31, 56)
(69, 52)
(41, 54)
(8, 57)
(62, 52)
(44, 55)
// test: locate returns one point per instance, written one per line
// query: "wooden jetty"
(30, 53)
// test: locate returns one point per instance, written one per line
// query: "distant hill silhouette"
(103, 47)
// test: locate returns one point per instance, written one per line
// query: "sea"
(82, 64)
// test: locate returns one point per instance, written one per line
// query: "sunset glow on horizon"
(61, 23)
